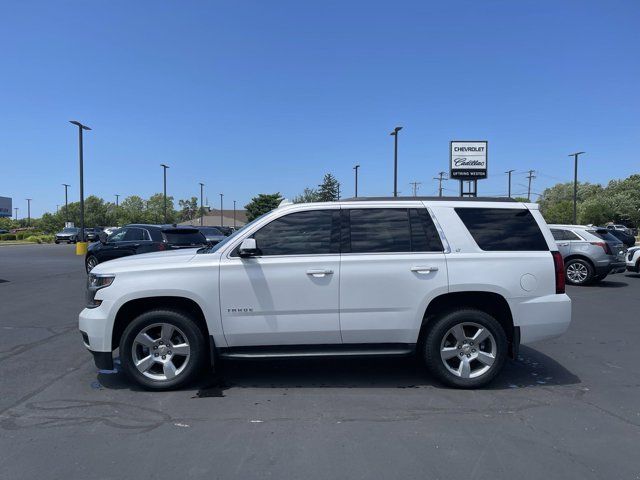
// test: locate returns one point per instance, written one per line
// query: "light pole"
(234, 214)
(356, 170)
(164, 171)
(201, 210)
(66, 202)
(16, 209)
(395, 160)
(117, 200)
(81, 127)
(221, 221)
(575, 186)
(28, 211)
(509, 172)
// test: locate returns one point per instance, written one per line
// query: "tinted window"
(604, 235)
(380, 230)
(503, 229)
(117, 236)
(558, 234)
(424, 236)
(211, 231)
(184, 237)
(569, 235)
(302, 233)
(134, 234)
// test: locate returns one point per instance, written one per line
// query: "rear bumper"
(541, 318)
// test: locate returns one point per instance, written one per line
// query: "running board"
(310, 351)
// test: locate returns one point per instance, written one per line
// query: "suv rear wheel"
(465, 348)
(578, 272)
(162, 350)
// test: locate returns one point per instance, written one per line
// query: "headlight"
(94, 283)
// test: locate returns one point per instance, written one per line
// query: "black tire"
(193, 335)
(56, 242)
(438, 334)
(90, 263)
(579, 265)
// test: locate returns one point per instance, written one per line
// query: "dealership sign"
(5, 207)
(468, 160)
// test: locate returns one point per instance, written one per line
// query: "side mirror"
(103, 237)
(248, 248)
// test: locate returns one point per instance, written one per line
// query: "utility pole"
(530, 176)
(81, 127)
(509, 172)
(57, 209)
(117, 200)
(575, 186)
(234, 214)
(29, 212)
(164, 171)
(395, 160)
(201, 209)
(440, 178)
(415, 185)
(356, 170)
(66, 202)
(221, 221)
(16, 209)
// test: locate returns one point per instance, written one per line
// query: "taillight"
(604, 245)
(559, 266)
(162, 246)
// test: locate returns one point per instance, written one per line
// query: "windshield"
(70, 230)
(226, 240)
(604, 235)
(211, 231)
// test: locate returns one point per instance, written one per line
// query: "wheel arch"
(131, 309)
(491, 303)
(578, 256)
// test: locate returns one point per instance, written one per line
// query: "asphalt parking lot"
(566, 409)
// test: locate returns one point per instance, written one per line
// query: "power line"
(415, 186)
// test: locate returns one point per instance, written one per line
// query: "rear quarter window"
(503, 229)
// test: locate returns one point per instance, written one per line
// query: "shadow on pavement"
(607, 284)
(532, 368)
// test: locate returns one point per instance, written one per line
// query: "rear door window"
(503, 229)
(135, 235)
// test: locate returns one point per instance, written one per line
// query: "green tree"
(188, 209)
(307, 196)
(261, 204)
(329, 189)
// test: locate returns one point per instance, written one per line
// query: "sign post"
(468, 162)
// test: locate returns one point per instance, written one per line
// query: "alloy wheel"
(91, 263)
(468, 350)
(577, 272)
(160, 351)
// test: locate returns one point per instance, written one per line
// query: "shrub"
(33, 238)
(8, 236)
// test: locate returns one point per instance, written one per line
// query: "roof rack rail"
(443, 199)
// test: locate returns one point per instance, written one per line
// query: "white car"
(633, 259)
(461, 283)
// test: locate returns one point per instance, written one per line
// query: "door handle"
(420, 269)
(319, 272)
(136, 244)
(563, 244)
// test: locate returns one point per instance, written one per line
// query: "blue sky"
(258, 96)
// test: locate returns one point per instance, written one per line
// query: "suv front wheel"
(162, 350)
(465, 348)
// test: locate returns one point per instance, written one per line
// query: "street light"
(66, 202)
(164, 171)
(201, 210)
(395, 160)
(509, 172)
(117, 199)
(29, 211)
(16, 209)
(356, 170)
(81, 127)
(575, 185)
(234, 214)
(221, 221)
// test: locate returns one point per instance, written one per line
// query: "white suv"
(459, 282)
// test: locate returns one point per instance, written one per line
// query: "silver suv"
(589, 253)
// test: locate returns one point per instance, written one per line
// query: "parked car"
(620, 228)
(633, 259)
(225, 230)
(459, 283)
(589, 253)
(109, 230)
(68, 234)
(138, 238)
(3, 231)
(92, 234)
(212, 234)
(625, 238)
